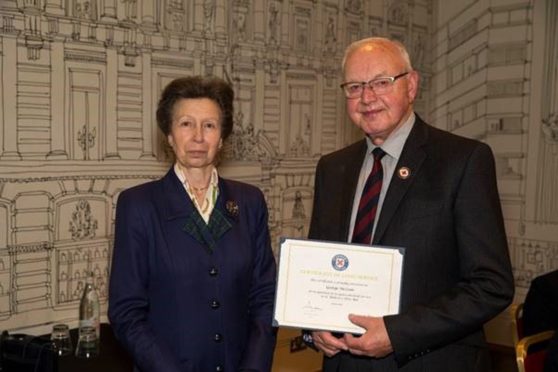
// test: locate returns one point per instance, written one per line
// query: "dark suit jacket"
(551, 359)
(540, 313)
(186, 296)
(457, 272)
(540, 309)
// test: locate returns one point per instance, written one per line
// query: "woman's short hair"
(213, 88)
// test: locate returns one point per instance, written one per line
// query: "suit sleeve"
(485, 286)
(128, 297)
(258, 355)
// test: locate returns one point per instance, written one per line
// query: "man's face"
(379, 115)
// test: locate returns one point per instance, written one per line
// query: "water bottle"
(89, 307)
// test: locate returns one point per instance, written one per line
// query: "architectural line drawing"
(487, 88)
(80, 79)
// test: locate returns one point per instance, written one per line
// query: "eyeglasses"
(379, 86)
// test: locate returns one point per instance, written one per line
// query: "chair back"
(531, 351)
(517, 322)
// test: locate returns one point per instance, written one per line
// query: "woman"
(193, 275)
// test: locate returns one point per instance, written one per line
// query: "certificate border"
(279, 315)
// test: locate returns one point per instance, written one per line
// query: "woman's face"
(195, 135)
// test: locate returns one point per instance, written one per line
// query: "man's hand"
(374, 342)
(327, 343)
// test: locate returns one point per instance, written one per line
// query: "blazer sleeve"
(258, 355)
(128, 298)
(485, 285)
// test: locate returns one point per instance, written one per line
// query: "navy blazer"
(188, 296)
(457, 272)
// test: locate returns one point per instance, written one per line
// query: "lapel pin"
(404, 173)
(232, 208)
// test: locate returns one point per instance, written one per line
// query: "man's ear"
(412, 85)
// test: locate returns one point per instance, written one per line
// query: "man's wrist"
(308, 339)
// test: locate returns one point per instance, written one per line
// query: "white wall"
(494, 79)
(79, 81)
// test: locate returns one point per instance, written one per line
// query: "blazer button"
(219, 368)
(215, 304)
(213, 271)
(218, 337)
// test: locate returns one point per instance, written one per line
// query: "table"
(27, 353)
(112, 356)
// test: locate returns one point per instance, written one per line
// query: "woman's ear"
(220, 143)
(170, 140)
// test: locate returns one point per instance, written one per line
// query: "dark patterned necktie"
(362, 232)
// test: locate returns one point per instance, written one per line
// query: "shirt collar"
(178, 171)
(393, 145)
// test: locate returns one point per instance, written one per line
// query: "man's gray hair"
(378, 40)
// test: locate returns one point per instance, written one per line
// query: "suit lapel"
(207, 234)
(179, 206)
(221, 219)
(196, 227)
(350, 174)
(412, 157)
(219, 223)
(176, 202)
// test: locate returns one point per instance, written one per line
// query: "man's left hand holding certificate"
(320, 283)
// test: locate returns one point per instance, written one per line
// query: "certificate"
(320, 283)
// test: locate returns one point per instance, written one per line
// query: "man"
(438, 199)
(540, 309)
(540, 313)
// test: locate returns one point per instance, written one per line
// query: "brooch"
(404, 173)
(232, 208)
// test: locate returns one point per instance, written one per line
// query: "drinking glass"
(88, 343)
(61, 341)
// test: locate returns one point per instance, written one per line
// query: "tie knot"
(378, 153)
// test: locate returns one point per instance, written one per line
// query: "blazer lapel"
(176, 202)
(225, 212)
(218, 224)
(220, 221)
(196, 227)
(350, 173)
(179, 206)
(412, 158)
